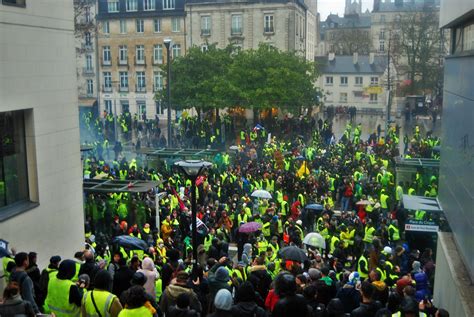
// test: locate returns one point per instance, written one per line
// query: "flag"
(303, 170)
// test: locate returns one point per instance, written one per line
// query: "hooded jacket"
(171, 293)
(149, 270)
(350, 297)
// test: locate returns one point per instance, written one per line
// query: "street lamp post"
(192, 169)
(167, 42)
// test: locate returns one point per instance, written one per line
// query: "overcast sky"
(325, 7)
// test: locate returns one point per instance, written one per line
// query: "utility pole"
(389, 86)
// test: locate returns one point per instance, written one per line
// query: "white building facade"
(41, 206)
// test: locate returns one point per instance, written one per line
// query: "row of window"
(237, 23)
(373, 98)
(140, 26)
(141, 107)
(140, 81)
(113, 6)
(139, 54)
(344, 80)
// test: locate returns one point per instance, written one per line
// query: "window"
(343, 80)
(16, 3)
(140, 54)
(382, 35)
(157, 25)
(87, 14)
(13, 159)
(106, 57)
(123, 81)
(158, 54)
(148, 5)
(373, 97)
(140, 25)
(108, 106)
(343, 97)
(374, 80)
(204, 48)
(105, 27)
(90, 87)
(359, 80)
(176, 50)
(113, 6)
(398, 18)
(107, 81)
(329, 80)
(141, 82)
(381, 46)
(131, 5)
(382, 18)
(89, 62)
(123, 54)
(123, 26)
(87, 38)
(125, 106)
(168, 4)
(175, 25)
(157, 81)
(141, 107)
(268, 24)
(236, 27)
(205, 25)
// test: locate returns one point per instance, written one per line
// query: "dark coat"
(350, 298)
(366, 309)
(291, 306)
(122, 278)
(247, 309)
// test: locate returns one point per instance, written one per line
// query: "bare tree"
(351, 40)
(417, 49)
(84, 21)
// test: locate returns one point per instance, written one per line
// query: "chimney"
(355, 58)
(371, 58)
(331, 57)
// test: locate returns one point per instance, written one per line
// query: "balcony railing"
(106, 62)
(88, 71)
(106, 88)
(123, 88)
(157, 61)
(236, 31)
(157, 88)
(122, 62)
(140, 88)
(268, 30)
(140, 62)
(87, 47)
(205, 32)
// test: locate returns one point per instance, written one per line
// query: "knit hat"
(55, 259)
(223, 300)
(314, 274)
(138, 278)
(354, 277)
(222, 274)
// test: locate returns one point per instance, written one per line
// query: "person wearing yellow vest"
(363, 266)
(242, 217)
(420, 215)
(100, 301)
(393, 233)
(369, 232)
(64, 296)
(79, 260)
(136, 303)
(384, 201)
(399, 194)
(266, 230)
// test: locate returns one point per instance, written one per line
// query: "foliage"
(258, 79)
(350, 41)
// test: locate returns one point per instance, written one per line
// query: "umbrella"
(314, 239)
(233, 148)
(293, 253)
(300, 158)
(363, 202)
(314, 207)
(260, 193)
(250, 227)
(130, 242)
(4, 248)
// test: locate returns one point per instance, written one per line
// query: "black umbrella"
(130, 242)
(293, 253)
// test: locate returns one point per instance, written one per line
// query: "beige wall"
(38, 72)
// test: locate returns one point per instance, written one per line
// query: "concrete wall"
(38, 72)
(453, 289)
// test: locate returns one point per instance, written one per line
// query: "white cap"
(387, 250)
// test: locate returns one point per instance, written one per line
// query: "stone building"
(132, 52)
(286, 25)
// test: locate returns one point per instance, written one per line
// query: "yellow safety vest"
(369, 234)
(362, 262)
(57, 300)
(396, 233)
(135, 312)
(103, 301)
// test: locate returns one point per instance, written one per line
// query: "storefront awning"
(421, 203)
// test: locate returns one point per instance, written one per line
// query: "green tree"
(266, 77)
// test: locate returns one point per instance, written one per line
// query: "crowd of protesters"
(366, 268)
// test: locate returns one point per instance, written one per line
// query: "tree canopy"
(257, 79)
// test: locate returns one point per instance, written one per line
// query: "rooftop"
(405, 5)
(344, 64)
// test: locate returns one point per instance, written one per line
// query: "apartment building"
(132, 52)
(353, 80)
(286, 25)
(40, 176)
